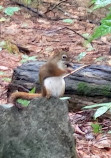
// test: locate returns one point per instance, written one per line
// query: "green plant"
(26, 58)
(81, 56)
(96, 128)
(101, 108)
(2, 73)
(27, 1)
(100, 3)
(1, 7)
(6, 79)
(11, 10)
(70, 21)
(105, 27)
(65, 98)
(25, 102)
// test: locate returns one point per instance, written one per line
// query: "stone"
(41, 130)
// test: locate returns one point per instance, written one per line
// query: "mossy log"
(94, 80)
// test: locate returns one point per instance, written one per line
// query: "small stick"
(50, 9)
(76, 70)
(76, 33)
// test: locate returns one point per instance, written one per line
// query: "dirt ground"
(40, 37)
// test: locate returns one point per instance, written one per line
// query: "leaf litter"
(40, 36)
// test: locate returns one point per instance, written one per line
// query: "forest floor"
(39, 37)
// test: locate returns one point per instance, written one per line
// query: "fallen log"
(93, 80)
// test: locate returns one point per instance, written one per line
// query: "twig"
(76, 33)
(70, 30)
(54, 6)
(76, 70)
(31, 9)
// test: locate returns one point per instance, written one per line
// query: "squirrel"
(51, 76)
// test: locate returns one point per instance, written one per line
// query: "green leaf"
(2, 43)
(27, 1)
(23, 102)
(97, 105)
(65, 98)
(6, 79)
(70, 21)
(86, 35)
(100, 31)
(93, 1)
(100, 111)
(81, 55)
(103, 29)
(90, 49)
(88, 45)
(33, 90)
(24, 25)
(26, 58)
(11, 10)
(2, 19)
(109, 132)
(2, 73)
(101, 3)
(96, 128)
(1, 7)
(100, 58)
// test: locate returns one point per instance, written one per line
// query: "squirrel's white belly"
(55, 86)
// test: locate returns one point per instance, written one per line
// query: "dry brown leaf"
(103, 141)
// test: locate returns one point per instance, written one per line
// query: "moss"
(92, 90)
(83, 89)
(106, 91)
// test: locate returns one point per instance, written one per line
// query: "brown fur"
(50, 69)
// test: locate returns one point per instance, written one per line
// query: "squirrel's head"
(62, 58)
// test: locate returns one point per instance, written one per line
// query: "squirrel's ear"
(66, 49)
(56, 51)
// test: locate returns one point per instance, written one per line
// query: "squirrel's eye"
(64, 56)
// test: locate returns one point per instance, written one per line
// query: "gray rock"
(41, 130)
